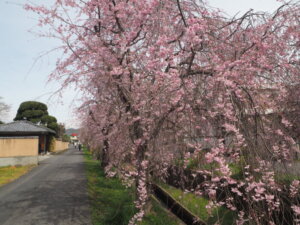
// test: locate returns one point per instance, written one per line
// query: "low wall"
(60, 146)
(18, 146)
(18, 151)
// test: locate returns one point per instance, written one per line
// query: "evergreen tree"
(32, 111)
(36, 112)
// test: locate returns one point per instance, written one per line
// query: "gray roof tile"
(24, 126)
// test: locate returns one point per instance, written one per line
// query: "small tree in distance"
(61, 130)
(4, 108)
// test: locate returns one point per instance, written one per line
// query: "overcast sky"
(23, 74)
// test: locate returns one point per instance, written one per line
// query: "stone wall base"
(19, 161)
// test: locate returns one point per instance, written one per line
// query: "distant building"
(74, 137)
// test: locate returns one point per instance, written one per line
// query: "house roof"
(24, 127)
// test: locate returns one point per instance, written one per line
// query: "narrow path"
(55, 193)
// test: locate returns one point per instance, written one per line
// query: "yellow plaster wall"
(60, 146)
(11, 147)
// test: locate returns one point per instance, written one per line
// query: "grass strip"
(176, 207)
(11, 173)
(113, 204)
(159, 215)
(197, 205)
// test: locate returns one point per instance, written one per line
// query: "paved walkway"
(54, 193)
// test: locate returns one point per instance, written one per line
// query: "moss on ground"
(158, 215)
(197, 205)
(285, 178)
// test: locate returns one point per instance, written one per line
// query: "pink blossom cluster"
(169, 82)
